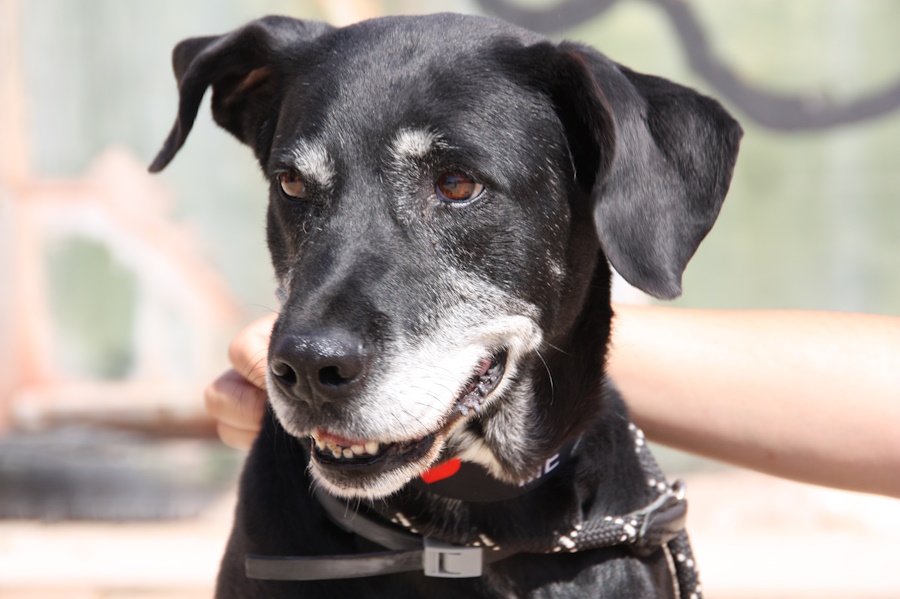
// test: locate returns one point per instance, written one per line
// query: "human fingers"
(249, 349)
(237, 438)
(235, 404)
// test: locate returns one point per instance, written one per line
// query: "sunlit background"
(119, 291)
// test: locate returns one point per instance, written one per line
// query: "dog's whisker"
(559, 349)
(270, 309)
(549, 375)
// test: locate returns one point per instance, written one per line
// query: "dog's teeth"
(342, 452)
(477, 408)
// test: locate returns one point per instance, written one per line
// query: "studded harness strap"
(659, 524)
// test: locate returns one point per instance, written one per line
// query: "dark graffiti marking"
(785, 112)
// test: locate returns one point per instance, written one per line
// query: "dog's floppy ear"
(657, 197)
(244, 68)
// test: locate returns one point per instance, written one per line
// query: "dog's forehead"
(371, 82)
(411, 39)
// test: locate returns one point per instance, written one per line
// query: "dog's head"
(443, 192)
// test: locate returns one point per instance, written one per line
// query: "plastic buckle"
(443, 560)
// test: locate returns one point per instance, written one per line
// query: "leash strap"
(687, 574)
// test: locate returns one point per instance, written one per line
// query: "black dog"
(445, 194)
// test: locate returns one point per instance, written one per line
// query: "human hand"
(237, 399)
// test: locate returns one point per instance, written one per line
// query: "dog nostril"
(284, 373)
(330, 376)
(326, 363)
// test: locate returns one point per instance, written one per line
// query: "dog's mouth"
(363, 458)
(482, 384)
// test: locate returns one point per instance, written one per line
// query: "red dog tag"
(441, 471)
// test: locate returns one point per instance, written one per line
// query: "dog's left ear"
(675, 156)
(655, 157)
(245, 70)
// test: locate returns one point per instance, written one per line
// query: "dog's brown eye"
(292, 185)
(456, 187)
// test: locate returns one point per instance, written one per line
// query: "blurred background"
(119, 291)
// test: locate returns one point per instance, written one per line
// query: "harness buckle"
(663, 520)
(444, 560)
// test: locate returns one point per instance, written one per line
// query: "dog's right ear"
(245, 69)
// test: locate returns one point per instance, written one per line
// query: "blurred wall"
(812, 220)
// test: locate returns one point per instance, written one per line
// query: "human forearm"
(805, 395)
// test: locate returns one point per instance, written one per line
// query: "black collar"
(468, 481)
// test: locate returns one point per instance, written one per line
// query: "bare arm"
(809, 396)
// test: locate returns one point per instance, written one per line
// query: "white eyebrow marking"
(313, 163)
(410, 144)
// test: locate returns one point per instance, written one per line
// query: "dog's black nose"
(330, 362)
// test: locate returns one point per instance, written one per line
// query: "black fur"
(582, 160)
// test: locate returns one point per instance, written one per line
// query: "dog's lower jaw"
(508, 427)
(380, 485)
(505, 448)
(504, 445)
